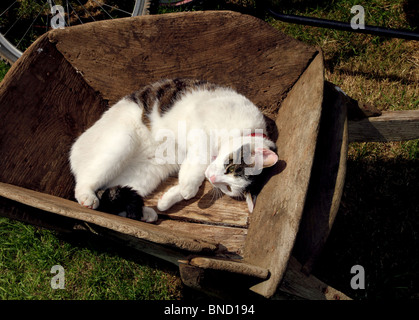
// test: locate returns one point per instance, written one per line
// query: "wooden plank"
(230, 266)
(390, 126)
(218, 283)
(308, 287)
(156, 250)
(39, 125)
(275, 221)
(327, 179)
(134, 228)
(231, 49)
(211, 276)
(204, 207)
(229, 240)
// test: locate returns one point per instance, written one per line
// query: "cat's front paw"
(168, 199)
(88, 200)
(164, 203)
(189, 191)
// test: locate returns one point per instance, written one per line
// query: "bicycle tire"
(10, 53)
(141, 8)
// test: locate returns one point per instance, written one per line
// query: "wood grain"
(204, 207)
(230, 265)
(390, 126)
(75, 73)
(44, 105)
(307, 286)
(275, 221)
(120, 56)
(134, 228)
(230, 241)
(326, 181)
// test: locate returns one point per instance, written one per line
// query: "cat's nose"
(213, 179)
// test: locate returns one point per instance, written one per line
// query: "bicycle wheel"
(22, 21)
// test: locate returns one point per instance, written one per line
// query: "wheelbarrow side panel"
(117, 57)
(327, 179)
(274, 223)
(44, 105)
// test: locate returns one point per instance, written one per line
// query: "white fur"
(120, 150)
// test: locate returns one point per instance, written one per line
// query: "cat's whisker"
(216, 194)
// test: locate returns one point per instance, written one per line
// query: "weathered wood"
(156, 250)
(71, 85)
(44, 105)
(390, 126)
(355, 109)
(204, 207)
(231, 49)
(229, 240)
(219, 283)
(327, 179)
(203, 275)
(275, 221)
(231, 266)
(72, 72)
(131, 227)
(308, 287)
(31, 215)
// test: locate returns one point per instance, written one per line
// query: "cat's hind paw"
(88, 200)
(149, 215)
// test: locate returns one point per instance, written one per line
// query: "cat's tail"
(125, 202)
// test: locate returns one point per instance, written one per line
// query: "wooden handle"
(390, 126)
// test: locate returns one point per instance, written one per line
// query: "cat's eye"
(230, 169)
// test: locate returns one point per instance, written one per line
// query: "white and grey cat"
(183, 126)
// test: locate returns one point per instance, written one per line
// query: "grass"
(93, 270)
(378, 222)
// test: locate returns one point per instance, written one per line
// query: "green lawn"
(378, 222)
(94, 268)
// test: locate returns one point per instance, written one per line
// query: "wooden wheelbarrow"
(66, 80)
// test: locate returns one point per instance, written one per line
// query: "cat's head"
(237, 165)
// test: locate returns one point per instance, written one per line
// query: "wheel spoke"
(103, 9)
(7, 8)
(115, 8)
(72, 8)
(86, 10)
(24, 20)
(27, 30)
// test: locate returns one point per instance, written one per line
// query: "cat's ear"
(269, 157)
(250, 200)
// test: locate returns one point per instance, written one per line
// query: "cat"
(193, 128)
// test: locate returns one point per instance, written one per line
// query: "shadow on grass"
(377, 227)
(110, 247)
